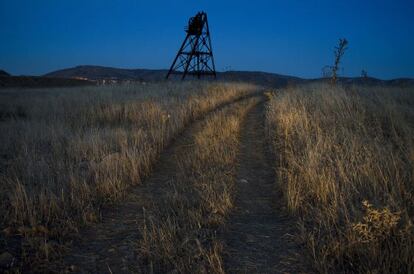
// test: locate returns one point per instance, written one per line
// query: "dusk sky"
(286, 37)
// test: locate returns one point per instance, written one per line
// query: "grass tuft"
(345, 161)
(66, 153)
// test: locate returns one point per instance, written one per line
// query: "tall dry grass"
(346, 167)
(65, 153)
(179, 235)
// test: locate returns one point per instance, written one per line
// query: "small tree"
(339, 52)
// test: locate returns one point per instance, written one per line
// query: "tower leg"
(176, 57)
(193, 50)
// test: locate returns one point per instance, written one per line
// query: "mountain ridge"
(96, 73)
(4, 73)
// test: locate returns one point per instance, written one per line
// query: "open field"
(66, 153)
(198, 177)
(195, 137)
(345, 162)
(168, 223)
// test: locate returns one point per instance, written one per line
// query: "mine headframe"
(195, 56)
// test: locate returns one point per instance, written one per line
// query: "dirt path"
(110, 246)
(256, 234)
(256, 237)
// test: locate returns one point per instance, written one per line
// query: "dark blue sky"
(287, 37)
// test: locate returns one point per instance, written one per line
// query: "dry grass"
(65, 153)
(346, 166)
(180, 233)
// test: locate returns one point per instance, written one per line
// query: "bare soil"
(258, 233)
(256, 236)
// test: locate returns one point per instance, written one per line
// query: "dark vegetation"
(37, 82)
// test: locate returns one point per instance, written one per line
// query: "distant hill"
(92, 75)
(401, 82)
(96, 73)
(370, 81)
(9, 81)
(99, 73)
(4, 73)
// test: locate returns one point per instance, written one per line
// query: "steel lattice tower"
(195, 56)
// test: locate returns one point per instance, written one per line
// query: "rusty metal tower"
(195, 56)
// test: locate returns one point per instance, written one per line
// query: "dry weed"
(66, 153)
(337, 148)
(180, 234)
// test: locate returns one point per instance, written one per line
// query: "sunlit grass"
(180, 234)
(66, 153)
(346, 166)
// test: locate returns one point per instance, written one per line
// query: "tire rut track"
(110, 246)
(257, 232)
